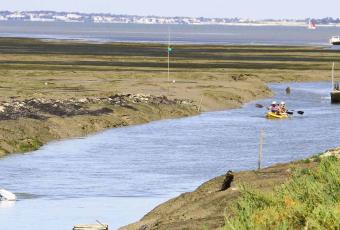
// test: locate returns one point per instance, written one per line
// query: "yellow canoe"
(271, 115)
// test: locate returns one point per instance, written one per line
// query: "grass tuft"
(30, 145)
(309, 200)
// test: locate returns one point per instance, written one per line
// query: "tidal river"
(118, 175)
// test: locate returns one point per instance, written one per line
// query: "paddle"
(288, 112)
(300, 112)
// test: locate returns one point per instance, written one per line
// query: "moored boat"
(7, 195)
(335, 40)
(335, 97)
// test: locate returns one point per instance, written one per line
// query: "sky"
(254, 9)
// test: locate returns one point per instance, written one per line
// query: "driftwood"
(91, 227)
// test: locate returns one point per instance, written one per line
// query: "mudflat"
(58, 89)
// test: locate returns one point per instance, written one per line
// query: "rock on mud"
(42, 109)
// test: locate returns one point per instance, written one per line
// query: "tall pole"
(333, 76)
(168, 55)
(260, 150)
(200, 105)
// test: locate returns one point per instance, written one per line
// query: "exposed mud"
(28, 124)
(42, 109)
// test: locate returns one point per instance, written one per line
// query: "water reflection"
(7, 204)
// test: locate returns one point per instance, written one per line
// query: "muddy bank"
(42, 109)
(27, 124)
(54, 90)
(207, 206)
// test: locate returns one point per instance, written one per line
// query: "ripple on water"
(165, 158)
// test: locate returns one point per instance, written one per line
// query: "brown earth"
(207, 206)
(212, 77)
(26, 128)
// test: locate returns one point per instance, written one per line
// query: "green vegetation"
(314, 158)
(30, 145)
(309, 200)
(2, 152)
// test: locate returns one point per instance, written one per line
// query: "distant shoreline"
(55, 16)
(256, 24)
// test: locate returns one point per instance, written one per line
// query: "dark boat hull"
(336, 43)
(335, 97)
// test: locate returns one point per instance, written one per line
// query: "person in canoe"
(274, 107)
(282, 107)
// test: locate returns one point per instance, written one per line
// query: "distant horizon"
(152, 15)
(247, 9)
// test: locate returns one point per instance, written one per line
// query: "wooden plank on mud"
(91, 227)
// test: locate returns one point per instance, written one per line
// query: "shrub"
(310, 200)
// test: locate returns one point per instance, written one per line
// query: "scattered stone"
(118, 100)
(42, 109)
(144, 227)
(242, 77)
(83, 100)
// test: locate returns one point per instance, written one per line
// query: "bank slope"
(208, 207)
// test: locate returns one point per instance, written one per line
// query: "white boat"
(312, 24)
(335, 40)
(7, 196)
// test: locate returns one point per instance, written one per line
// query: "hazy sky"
(259, 9)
